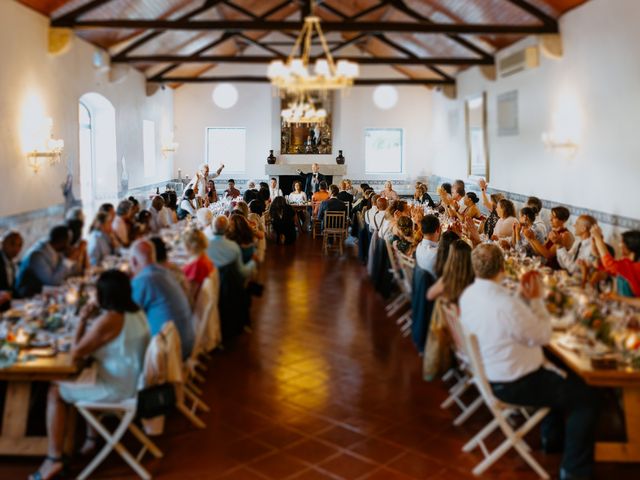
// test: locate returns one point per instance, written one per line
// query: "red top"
(199, 269)
(626, 268)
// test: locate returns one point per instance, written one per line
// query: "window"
(227, 146)
(383, 150)
(149, 147)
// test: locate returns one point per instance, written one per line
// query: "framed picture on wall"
(477, 139)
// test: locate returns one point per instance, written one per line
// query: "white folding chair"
(464, 380)
(403, 298)
(126, 412)
(405, 265)
(501, 414)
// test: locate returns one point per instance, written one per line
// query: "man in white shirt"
(511, 334)
(199, 181)
(569, 260)
(368, 215)
(377, 220)
(427, 249)
(274, 191)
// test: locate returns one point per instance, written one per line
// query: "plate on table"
(44, 352)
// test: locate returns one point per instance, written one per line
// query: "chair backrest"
(206, 318)
(348, 210)
(393, 260)
(452, 318)
(477, 368)
(163, 358)
(406, 264)
(334, 221)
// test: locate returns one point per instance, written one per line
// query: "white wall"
(28, 70)
(258, 110)
(596, 83)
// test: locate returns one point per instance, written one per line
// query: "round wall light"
(385, 97)
(225, 95)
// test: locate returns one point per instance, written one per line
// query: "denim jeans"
(568, 398)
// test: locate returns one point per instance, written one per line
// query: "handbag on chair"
(156, 400)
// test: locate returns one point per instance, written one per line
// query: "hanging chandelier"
(303, 111)
(294, 75)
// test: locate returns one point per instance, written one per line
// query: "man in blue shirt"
(159, 294)
(223, 251)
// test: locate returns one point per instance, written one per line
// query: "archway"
(98, 161)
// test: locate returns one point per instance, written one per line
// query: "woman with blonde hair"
(457, 274)
(199, 266)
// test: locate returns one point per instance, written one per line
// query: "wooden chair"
(403, 298)
(334, 232)
(501, 415)
(316, 223)
(406, 265)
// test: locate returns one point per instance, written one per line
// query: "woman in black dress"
(283, 221)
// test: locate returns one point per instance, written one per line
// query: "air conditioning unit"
(519, 61)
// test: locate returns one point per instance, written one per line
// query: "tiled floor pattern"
(324, 388)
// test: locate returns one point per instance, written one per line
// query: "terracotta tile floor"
(324, 388)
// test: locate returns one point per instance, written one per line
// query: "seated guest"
(297, 196)
(538, 226)
(187, 204)
(319, 197)
(470, 210)
(558, 236)
(158, 221)
(162, 259)
(241, 232)
(351, 189)
(507, 217)
(9, 251)
(168, 215)
(569, 259)
(458, 199)
(109, 209)
(511, 334)
(74, 220)
(377, 219)
(388, 192)
(121, 225)
(223, 251)
(627, 267)
(260, 232)
(456, 275)
(100, 244)
(274, 191)
(519, 241)
(343, 194)
(158, 293)
(135, 206)
(142, 225)
(446, 239)
(205, 217)
(49, 262)
(199, 266)
(263, 192)
(283, 221)
(232, 191)
(241, 208)
(395, 210)
(211, 195)
(251, 192)
(258, 207)
(402, 236)
(424, 196)
(116, 341)
(427, 249)
(332, 204)
(444, 191)
(491, 204)
(371, 211)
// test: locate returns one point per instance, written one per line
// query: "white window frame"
(208, 154)
(371, 172)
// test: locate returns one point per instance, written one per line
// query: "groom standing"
(312, 180)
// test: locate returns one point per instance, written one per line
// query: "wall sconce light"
(170, 147)
(51, 148)
(552, 142)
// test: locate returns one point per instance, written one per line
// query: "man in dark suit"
(332, 204)
(312, 180)
(251, 193)
(11, 246)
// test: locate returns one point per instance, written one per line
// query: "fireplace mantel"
(292, 169)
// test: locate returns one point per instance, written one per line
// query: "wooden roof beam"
(536, 12)
(286, 25)
(358, 81)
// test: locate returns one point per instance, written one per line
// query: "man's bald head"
(220, 225)
(143, 253)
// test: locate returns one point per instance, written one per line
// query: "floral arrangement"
(627, 340)
(511, 268)
(558, 302)
(592, 317)
(8, 353)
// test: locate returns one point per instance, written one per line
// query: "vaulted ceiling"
(427, 41)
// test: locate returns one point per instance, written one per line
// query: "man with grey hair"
(159, 294)
(223, 251)
(199, 181)
(511, 332)
(312, 180)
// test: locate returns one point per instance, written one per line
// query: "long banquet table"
(19, 377)
(628, 380)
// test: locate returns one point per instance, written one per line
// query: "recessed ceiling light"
(385, 97)
(225, 95)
